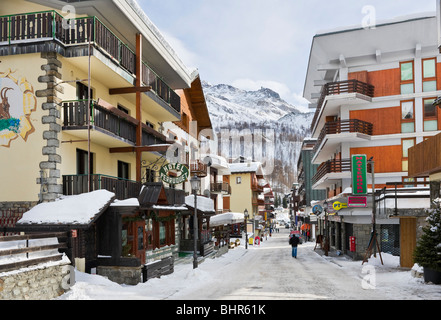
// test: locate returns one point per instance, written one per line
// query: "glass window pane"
(407, 71)
(406, 145)
(429, 108)
(404, 165)
(429, 86)
(431, 125)
(429, 68)
(407, 127)
(407, 110)
(407, 88)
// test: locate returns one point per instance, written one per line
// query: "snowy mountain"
(277, 128)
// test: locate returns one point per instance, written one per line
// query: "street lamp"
(246, 215)
(195, 182)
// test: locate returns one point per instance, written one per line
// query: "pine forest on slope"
(282, 125)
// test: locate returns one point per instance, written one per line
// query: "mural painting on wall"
(17, 102)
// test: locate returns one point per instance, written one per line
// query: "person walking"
(294, 241)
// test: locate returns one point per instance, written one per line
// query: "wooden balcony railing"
(220, 187)
(199, 168)
(334, 166)
(123, 188)
(343, 126)
(50, 25)
(331, 166)
(114, 122)
(340, 87)
(108, 118)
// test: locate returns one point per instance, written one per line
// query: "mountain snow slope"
(277, 129)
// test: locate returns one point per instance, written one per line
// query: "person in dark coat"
(294, 241)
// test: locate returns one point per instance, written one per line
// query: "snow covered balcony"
(336, 94)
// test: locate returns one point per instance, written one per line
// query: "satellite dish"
(208, 161)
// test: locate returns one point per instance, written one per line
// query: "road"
(267, 272)
(270, 272)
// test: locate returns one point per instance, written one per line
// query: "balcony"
(199, 168)
(220, 188)
(424, 157)
(335, 94)
(47, 31)
(330, 171)
(123, 188)
(335, 132)
(110, 126)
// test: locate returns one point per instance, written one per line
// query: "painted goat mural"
(17, 102)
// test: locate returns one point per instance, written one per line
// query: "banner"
(359, 174)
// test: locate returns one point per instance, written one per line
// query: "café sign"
(174, 173)
(359, 175)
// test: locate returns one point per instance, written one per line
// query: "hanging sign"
(339, 205)
(174, 173)
(359, 176)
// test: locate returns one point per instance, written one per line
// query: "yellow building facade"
(47, 64)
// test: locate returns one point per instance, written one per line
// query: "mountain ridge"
(261, 113)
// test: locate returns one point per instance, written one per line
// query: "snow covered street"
(268, 272)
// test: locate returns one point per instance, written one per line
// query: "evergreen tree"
(428, 251)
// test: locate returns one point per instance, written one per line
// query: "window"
(430, 115)
(83, 92)
(162, 233)
(82, 160)
(123, 170)
(407, 77)
(238, 180)
(123, 109)
(429, 75)
(407, 116)
(406, 144)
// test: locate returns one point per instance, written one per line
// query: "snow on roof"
(131, 202)
(226, 218)
(78, 209)
(246, 167)
(203, 203)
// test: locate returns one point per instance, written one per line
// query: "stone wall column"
(49, 174)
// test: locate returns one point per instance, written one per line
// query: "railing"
(113, 121)
(123, 188)
(335, 88)
(351, 125)
(50, 25)
(199, 168)
(22, 252)
(331, 166)
(220, 187)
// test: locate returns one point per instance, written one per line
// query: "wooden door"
(137, 239)
(407, 241)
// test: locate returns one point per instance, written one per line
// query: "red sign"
(74, 233)
(359, 202)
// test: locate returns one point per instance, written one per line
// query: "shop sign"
(180, 173)
(339, 205)
(359, 176)
(357, 202)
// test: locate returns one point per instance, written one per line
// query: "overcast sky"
(254, 43)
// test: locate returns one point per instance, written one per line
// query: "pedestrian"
(294, 241)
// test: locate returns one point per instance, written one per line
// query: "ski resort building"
(373, 91)
(93, 97)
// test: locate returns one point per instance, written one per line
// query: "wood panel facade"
(387, 158)
(384, 120)
(425, 157)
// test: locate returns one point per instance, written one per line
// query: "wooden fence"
(19, 250)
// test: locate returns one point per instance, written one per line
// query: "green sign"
(359, 176)
(174, 173)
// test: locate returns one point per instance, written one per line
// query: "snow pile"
(203, 203)
(78, 209)
(226, 218)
